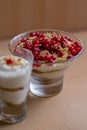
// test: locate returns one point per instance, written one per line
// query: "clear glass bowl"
(47, 79)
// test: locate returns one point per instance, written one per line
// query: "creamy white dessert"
(14, 78)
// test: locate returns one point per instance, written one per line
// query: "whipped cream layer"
(14, 78)
(50, 70)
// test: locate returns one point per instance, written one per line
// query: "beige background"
(21, 15)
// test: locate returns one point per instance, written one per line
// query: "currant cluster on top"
(50, 47)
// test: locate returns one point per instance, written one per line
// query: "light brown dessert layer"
(11, 89)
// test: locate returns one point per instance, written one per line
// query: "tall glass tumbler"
(15, 73)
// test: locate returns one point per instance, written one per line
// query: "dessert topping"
(49, 47)
(13, 61)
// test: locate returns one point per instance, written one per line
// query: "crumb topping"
(49, 47)
(12, 61)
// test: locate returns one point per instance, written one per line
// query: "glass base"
(12, 119)
(46, 87)
(13, 113)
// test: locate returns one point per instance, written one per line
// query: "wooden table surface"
(67, 110)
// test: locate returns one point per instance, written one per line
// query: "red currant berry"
(23, 40)
(69, 56)
(33, 34)
(36, 43)
(71, 48)
(41, 35)
(60, 53)
(73, 52)
(9, 61)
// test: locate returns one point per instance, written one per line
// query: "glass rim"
(24, 34)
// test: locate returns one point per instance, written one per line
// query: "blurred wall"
(17, 16)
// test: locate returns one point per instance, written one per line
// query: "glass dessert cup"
(47, 78)
(15, 73)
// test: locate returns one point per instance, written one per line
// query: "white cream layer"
(14, 98)
(14, 77)
(53, 71)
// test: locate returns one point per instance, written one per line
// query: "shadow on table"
(35, 101)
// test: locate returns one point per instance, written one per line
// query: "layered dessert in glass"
(53, 52)
(14, 86)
